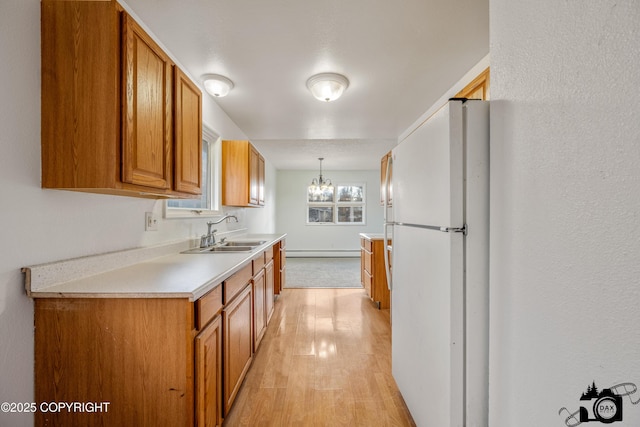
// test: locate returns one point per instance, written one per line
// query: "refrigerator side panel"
(427, 171)
(477, 262)
(426, 349)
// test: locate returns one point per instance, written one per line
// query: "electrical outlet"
(150, 221)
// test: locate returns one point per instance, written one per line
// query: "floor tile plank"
(325, 360)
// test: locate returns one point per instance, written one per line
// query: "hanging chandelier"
(319, 185)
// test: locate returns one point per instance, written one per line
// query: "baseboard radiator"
(323, 253)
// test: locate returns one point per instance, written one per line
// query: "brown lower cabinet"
(259, 312)
(209, 375)
(280, 265)
(153, 361)
(137, 354)
(238, 344)
(269, 290)
(372, 272)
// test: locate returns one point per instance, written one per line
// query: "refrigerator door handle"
(387, 254)
(462, 229)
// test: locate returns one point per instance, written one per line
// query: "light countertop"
(372, 236)
(173, 275)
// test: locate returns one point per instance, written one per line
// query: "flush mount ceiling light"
(327, 86)
(217, 85)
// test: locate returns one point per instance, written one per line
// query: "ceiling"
(399, 56)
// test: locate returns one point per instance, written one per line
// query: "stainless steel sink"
(218, 249)
(252, 243)
(232, 246)
(229, 248)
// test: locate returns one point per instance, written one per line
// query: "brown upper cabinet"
(118, 117)
(242, 174)
(386, 189)
(478, 88)
(188, 135)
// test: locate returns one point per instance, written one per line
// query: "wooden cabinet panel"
(259, 308)
(237, 344)
(254, 176)
(80, 117)
(188, 134)
(268, 254)
(386, 189)
(208, 349)
(137, 354)
(234, 284)
(269, 289)
(362, 263)
(367, 261)
(108, 107)
(258, 263)
(260, 180)
(147, 113)
(208, 306)
(373, 272)
(280, 261)
(242, 174)
(478, 88)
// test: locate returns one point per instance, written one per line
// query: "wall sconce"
(327, 86)
(217, 85)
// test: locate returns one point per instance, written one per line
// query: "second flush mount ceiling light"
(217, 85)
(327, 86)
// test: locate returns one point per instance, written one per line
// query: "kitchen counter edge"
(175, 275)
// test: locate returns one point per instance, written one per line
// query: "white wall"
(324, 240)
(38, 226)
(565, 206)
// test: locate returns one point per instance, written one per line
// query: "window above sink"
(209, 204)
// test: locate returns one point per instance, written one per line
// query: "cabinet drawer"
(367, 283)
(208, 306)
(236, 283)
(368, 245)
(268, 255)
(258, 263)
(367, 261)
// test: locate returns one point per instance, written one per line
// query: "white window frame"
(336, 204)
(214, 143)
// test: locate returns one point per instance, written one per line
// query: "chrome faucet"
(209, 239)
(222, 219)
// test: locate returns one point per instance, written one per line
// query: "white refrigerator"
(439, 278)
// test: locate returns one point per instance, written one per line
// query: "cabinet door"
(209, 375)
(254, 176)
(259, 312)
(80, 94)
(260, 180)
(238, 343)
(146, 109)
(268, 296)
(235, 173)
(362, 262)
(386, 190)
(188, 135)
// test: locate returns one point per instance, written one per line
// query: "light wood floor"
(325, 360)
